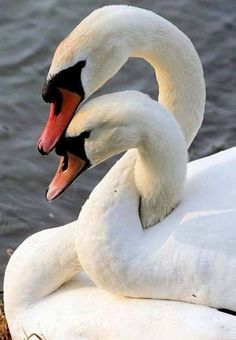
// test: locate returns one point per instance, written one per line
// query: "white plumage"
(189, 255)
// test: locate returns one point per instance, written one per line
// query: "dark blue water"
(30, 31)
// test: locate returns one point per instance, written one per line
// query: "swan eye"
(85, 134)
(74, 145)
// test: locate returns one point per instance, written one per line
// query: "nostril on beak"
(65, 163)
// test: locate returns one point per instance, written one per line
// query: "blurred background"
(30, 32)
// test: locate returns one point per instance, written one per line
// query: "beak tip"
(42, 152)
(51, 195)
(47, 196)
(40, 148)
(46, 145)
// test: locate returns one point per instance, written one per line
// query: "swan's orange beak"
(58, 121)
(69, 168)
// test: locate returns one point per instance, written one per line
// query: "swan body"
(44, 296)
(190, 254)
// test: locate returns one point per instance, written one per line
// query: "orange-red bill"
(69, 168)
(58, 122)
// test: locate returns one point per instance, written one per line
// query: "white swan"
(43, 296)
(98, 47)
(189, 256)
(43, 293)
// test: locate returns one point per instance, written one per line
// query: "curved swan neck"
(177, 66)
(40, 265)
(160, 168)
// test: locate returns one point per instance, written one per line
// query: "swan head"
(102, 128)
(90, 55)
